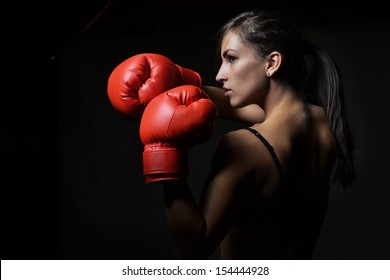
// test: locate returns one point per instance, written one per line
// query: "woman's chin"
(236, 105)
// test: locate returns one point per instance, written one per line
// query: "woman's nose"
(220, 76)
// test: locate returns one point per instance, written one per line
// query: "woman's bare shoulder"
(235, 139)
(242, 146)
(234, 146)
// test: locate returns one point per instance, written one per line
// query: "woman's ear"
(274, 62)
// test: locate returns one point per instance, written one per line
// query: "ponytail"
(325, 81)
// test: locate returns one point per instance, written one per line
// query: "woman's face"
(242, 72)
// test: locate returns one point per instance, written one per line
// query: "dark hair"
(318, 80)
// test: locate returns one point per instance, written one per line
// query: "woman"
(266, 194)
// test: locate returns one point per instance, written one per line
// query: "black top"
(270, 149)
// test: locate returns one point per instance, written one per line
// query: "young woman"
(267, 191)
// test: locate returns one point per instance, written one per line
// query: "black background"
(71, 177)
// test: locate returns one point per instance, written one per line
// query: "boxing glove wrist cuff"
(164, 163)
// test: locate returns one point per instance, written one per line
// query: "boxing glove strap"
(164, 163)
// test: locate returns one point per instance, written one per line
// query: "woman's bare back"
(281, 215)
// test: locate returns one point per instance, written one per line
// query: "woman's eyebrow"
(224, 54)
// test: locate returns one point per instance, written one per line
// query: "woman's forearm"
(250, 114)
(186, 221)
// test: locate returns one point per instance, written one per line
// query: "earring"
(268, 74)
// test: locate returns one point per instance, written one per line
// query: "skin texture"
(246, 209)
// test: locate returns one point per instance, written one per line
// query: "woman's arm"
(199, 228)
(250, 114)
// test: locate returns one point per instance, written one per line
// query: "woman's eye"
(231, 58)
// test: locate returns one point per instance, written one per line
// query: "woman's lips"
(228, 92)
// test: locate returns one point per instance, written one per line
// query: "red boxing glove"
(172, 123)
(140, 78)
